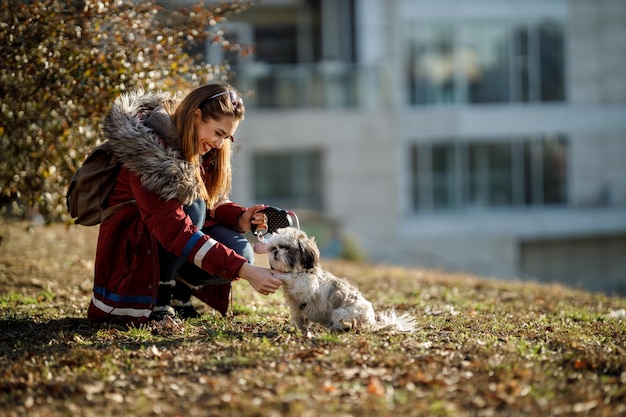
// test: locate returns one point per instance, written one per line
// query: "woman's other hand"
(252, 216)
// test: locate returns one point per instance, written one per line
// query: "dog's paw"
(343, 326)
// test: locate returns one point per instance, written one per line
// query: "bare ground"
(483, 348)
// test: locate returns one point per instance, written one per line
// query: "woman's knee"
(197, 212)
(233, 240)
(247, 252)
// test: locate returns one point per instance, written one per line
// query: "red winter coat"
(158, 179)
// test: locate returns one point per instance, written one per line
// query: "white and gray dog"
(315, 295)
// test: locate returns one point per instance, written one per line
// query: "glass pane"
(431, 66)
(532, 172)
(306, 185)
(490, 172)
(483, 62)
(500, 175)
(276, 44)
(521, 65)
(555, 170)
(443, 176)
(551, 57)
(478, 175)
(271, 176)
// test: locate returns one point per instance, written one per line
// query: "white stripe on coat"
(197, 259)
(129, 312)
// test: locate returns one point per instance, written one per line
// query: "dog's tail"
(390, 320)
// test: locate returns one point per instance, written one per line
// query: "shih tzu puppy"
(315, 295)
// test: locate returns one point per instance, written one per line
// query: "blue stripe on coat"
(190, 243)
(127, 299)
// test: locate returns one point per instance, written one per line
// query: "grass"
(482, 347)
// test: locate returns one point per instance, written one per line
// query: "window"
(289, 179)
(452, 175)
(485, 58)
(486, 62)
(490, 175)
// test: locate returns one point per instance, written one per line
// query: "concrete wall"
(598, 169)
(597, 76)
(597, 51)
(596, 263)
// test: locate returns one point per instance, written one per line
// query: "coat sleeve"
(171, 226)
(228, 214)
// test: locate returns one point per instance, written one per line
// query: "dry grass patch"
(482, 348)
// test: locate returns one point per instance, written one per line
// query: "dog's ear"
(309, 251)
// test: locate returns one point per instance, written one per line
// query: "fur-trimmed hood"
(144, 139)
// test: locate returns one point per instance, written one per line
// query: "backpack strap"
(109, 211)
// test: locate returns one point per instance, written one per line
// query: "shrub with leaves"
(65, 61)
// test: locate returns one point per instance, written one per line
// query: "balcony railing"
(322, 85)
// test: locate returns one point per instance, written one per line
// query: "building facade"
(486, 136)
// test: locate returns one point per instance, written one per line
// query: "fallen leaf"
(375, 387)
(329, 387)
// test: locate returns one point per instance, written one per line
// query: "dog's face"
(291, 250)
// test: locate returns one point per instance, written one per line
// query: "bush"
(65, 61)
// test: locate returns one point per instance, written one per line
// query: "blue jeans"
(169, 287)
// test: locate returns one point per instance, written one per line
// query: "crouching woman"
(181, 236)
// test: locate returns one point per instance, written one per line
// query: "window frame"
(302, 185)
(523, 69)
(472, 183)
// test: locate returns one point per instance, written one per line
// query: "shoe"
(165, 316)
(186, 312)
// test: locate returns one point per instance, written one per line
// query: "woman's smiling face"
(212, 134)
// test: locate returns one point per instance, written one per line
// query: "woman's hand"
(252, 216)
(261, 279)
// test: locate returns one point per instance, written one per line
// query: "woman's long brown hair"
(219, 169)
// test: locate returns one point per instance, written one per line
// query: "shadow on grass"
(22, 335)
(15, 328)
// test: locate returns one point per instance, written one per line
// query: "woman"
(181, 234)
